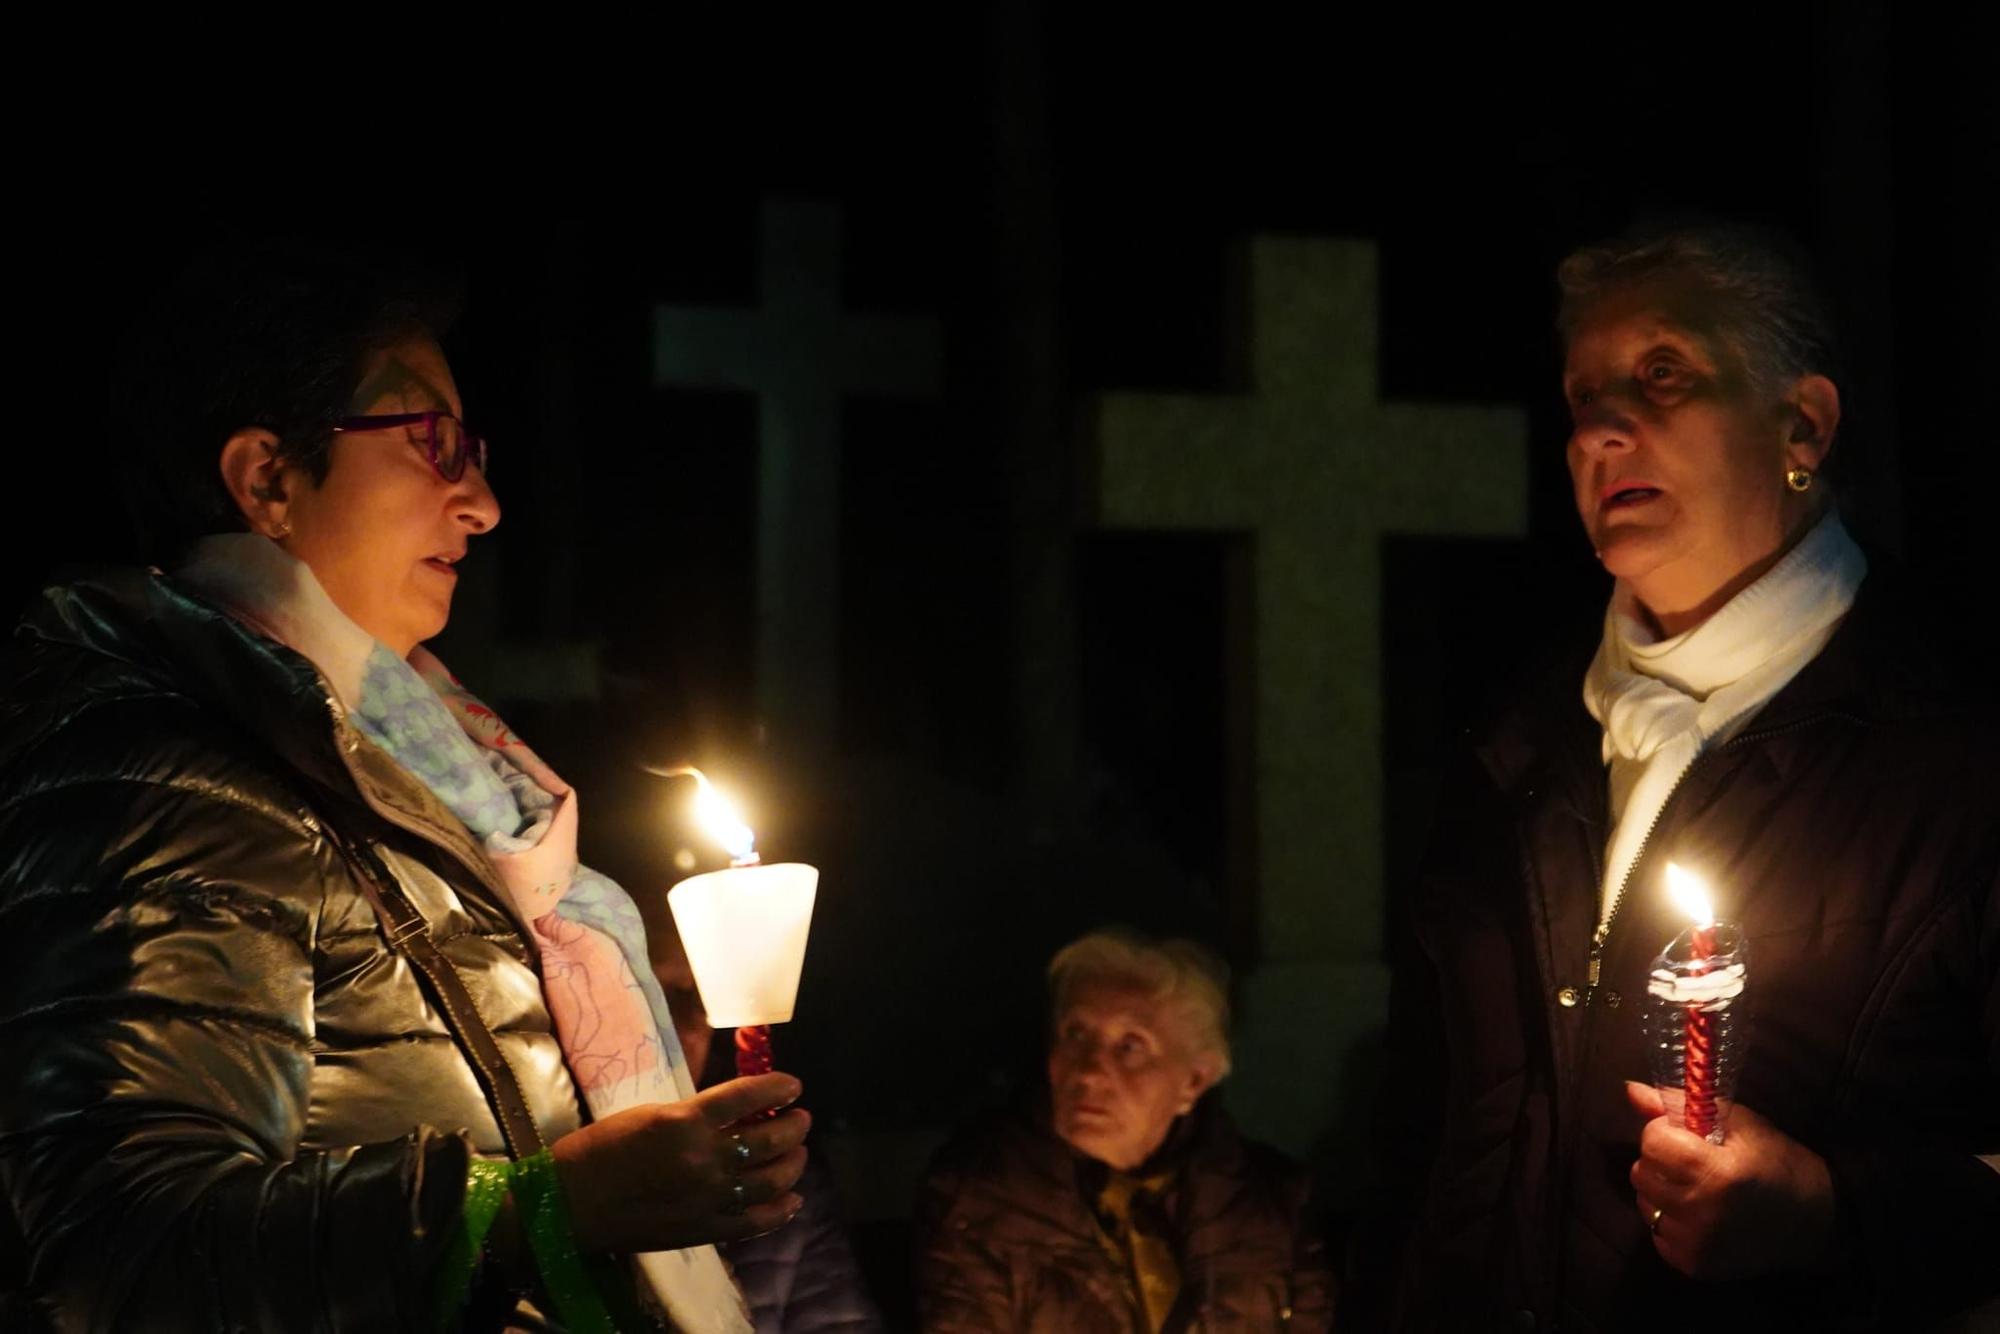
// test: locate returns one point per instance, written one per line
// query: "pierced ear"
(1814, 405)
(255, 479)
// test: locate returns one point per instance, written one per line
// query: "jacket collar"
(191, 647)
(163, 630)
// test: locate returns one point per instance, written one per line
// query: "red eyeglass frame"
(475, 446)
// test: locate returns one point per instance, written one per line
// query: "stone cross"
(1315, 469)
(799, 353)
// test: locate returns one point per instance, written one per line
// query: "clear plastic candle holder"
(1697, 1025)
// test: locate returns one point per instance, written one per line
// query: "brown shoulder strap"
(410, 934)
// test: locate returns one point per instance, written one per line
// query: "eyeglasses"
(446, 441)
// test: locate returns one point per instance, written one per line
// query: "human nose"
(1601, 427)
(473, 502)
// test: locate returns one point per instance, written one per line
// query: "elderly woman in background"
(311, 1019)
(1127, 1201)
(1763, 706)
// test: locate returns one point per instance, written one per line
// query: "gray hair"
(1771, 311)
(1181, 973)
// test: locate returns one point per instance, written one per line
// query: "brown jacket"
(1007, 1242)
(1853, 829)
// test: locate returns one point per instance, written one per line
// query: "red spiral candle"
(753, 1057)
(753, 1049)
(1698, 1076)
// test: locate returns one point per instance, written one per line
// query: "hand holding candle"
(1759, 1203)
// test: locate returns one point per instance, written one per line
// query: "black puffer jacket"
(1007, 1242)
(1852, 828)
(228, 1104)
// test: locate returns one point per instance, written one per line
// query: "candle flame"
(1690, 895)
(717, 813)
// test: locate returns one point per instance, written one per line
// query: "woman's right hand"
(665, 1175)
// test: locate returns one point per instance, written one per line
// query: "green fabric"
(575, 1287)
(545, 1219)
(485, 1191)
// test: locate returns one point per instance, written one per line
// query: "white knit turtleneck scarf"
(1663, 701)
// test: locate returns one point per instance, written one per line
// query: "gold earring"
(1799, 479)
(282, 531)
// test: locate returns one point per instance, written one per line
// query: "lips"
(445, 562)
(1626, 494)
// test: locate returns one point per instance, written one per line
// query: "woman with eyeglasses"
(310, 1016)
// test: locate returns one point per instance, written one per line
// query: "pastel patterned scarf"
(609, 1013)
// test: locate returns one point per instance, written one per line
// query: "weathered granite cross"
(1316, 469)
(799, 353)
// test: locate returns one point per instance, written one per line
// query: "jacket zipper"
(411, 825)
(1603, 931)
(1565, 1136)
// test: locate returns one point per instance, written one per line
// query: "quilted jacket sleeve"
(1312, 1281)
(157, 986)
(962, 1286)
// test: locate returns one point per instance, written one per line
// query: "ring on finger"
(739, 1147)
(739, 1198)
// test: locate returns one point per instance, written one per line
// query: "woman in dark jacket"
(1761, 708)
(1128, 1202)
(310, 1017)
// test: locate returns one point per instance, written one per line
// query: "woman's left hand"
(1758, 1203)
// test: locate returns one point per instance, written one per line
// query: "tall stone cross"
(1316, 469)
(799, 353)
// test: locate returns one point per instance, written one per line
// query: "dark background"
(1034, 714)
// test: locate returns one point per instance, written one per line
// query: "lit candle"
(744, 929)
(1694, 1019)
(1698, 1075)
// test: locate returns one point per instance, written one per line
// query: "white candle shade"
(744, 930)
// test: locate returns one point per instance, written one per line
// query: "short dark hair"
(274, 335)
(1773, 313)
